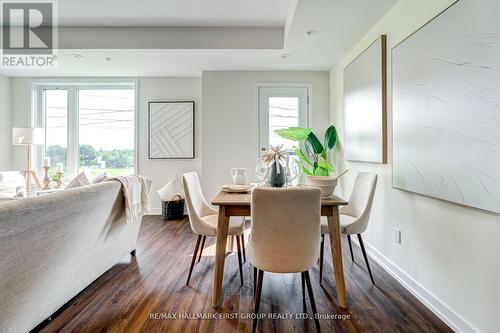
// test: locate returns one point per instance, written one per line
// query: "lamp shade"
(27, 136)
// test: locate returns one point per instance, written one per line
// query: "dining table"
(239, 204)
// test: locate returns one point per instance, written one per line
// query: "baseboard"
(433, 303)
(154, 211)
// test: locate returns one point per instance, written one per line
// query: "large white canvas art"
(446, 107)
(171, 130)
(365, 124)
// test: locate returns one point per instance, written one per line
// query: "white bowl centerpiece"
(313, 156)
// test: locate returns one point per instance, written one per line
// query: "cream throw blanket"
(135, 190)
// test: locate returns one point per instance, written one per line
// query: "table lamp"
(28, 137)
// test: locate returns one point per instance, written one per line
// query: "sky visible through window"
(283, 112)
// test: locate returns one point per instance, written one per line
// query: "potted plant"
(313, 156)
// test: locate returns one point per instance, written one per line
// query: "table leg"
(220, 256)
(336, 247)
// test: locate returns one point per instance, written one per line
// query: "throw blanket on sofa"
(135, 190)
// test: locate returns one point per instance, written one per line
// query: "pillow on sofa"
(99, 179)
(12, 184)
(80, 180)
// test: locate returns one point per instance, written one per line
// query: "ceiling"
(336, 25)
(178, 13)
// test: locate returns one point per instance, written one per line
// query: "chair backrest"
(285, 229)
(196, 204)
(360, 202)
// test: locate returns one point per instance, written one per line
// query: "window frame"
(259, 112)
(73, 87)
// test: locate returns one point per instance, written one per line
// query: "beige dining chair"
(284, 236)
(203, 220)
(354, 216)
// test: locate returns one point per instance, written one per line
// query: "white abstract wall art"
(446, 107)
(365, 105)
(171, 130)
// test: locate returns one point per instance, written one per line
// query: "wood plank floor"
(142, 294)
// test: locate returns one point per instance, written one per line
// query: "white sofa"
(55, 245)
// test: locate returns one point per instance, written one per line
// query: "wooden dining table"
(239, 204)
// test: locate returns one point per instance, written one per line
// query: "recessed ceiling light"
(284, 56)
(309, 33)
(77, 56)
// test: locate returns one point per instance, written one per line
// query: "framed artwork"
(446, 107)
(365, 105)
(171, 130)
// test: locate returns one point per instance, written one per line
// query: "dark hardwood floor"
(140, 294)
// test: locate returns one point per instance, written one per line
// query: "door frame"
(259, 85)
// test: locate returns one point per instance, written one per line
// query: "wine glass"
(261, 171)
(293, 171)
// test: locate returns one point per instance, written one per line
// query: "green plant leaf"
(294, 133)
(330, 137)
(302, 156)
(325, 164)
(305, 170)
(315, 143)
(321, 172)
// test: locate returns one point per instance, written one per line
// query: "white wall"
(165, 89)
(449, 254)
(150, 89)
(20, 116)
(230, 124)
(5, 124)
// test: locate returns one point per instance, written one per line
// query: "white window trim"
(256, 107)
(38, 116)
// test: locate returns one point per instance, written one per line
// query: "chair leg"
(365, 256)
(133, 253)
(202, 245)
(303, 285)
(238, 246)
(321, 254)
(311, 299)
(195, 253)
(350, 247)
(258, 293)
(243, 247)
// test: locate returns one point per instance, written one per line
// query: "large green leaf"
(306, 170)
(315, 143)
(330, 137)
(302, 156)
(321, 172)
(294, 133)
(325, 164)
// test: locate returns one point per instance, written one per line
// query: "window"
(89, 128)
(281, 107)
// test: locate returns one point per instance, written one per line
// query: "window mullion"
(72, 131)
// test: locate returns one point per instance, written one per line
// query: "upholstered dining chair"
(203, 220)
(354, 216)
(284, 236)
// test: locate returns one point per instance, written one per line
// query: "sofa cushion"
(80, 180)
(11, 184)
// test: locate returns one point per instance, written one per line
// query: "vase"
(277, 179)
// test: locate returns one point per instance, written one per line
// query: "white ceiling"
(180, 13)
(338, 26)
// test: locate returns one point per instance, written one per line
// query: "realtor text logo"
(28, 33)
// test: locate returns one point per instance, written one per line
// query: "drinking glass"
(261, 171)
(292, 172)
